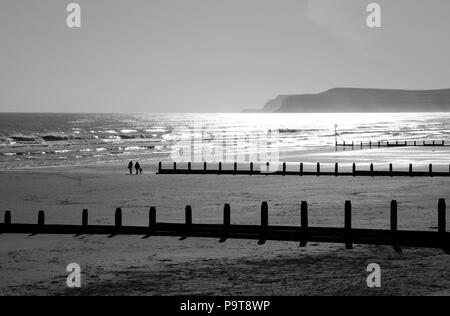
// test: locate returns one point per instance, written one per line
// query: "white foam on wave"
(128, 131)
(135, 148)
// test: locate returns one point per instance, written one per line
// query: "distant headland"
(344, 100)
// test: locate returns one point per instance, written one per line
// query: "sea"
(30, 140)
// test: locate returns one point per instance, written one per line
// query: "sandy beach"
(169, 266)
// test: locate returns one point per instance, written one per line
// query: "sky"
(212, 55)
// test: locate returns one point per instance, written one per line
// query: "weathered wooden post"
(370, 144)
(264, 222)
(41, 218)
(226, 222)
(301, 168)
(391, 170)
(415, 143)
(174, 167)
(264, 215)
(84, 218)
(189, 167)
(226, 216)
(251, 168)
(354, 169)
(430, 169)
(348, 225)
(304, 223)
(284, 168)
(205, 168)
(7, 220)
(220, 167)
(442, 221)
(188, 216)
(160, 167)
(362, 145)
(394, 226)
(379, 144)
(235, 168)
(267, 168)
(118, 217)
(188, 222)
(336, 169)
(152, 218)
(411, 170)
(371, 170)
(318, 169)
(442, 230)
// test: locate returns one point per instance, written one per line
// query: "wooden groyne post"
(152, 218)
(187, 222)
(41, 218)
(394, 226)
(442, 222)
(85, 218)
(188, 216)
(226, 222)
(304, 223)
(264, 222)
(118, 218)
(348, 225)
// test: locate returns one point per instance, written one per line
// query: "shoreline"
(378, 156)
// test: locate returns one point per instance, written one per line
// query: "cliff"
(362, 100)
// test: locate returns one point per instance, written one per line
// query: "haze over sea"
(31, 140)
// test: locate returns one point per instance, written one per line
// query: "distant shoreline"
(357, 100)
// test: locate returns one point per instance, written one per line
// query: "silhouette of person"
(140, 170)
(137, 166)
(130, 167)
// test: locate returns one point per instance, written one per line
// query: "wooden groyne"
(387, 144)
(302, 233)
(281, 169)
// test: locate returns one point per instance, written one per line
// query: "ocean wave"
(24, 138)
(135, 148)
(127, 136)
(128, 131)
(54, 138)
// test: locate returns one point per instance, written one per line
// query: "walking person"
(137, 166)
(130, 167)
